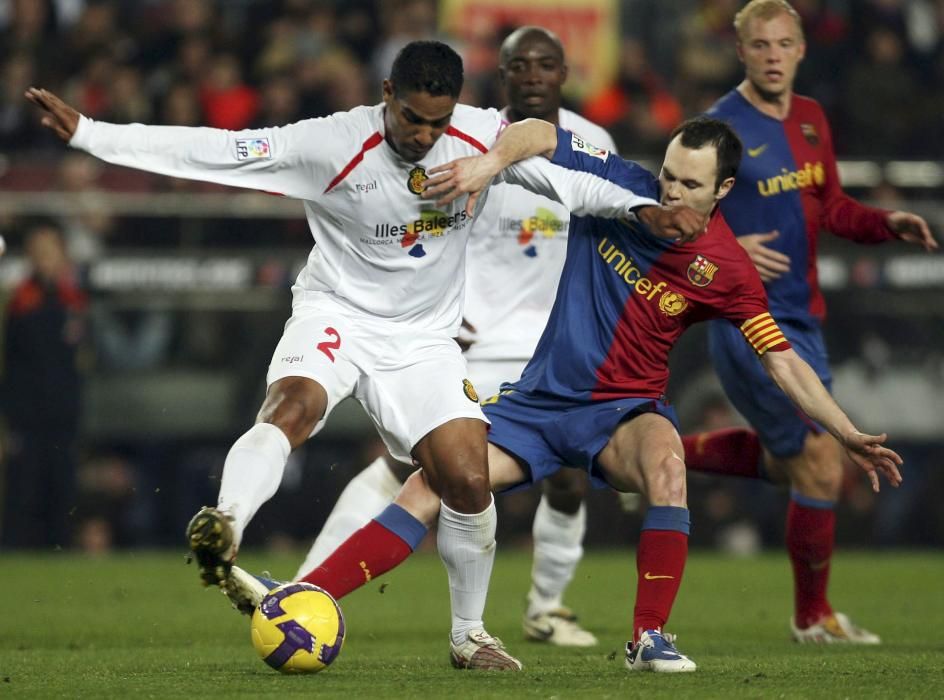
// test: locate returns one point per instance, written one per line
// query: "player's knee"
(820, 478)
(295, 407)
(465, 490)
(566, 490)
(665, 481)
(418, 499)
(818, 470)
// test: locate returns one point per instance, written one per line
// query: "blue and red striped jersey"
(625, 295)
(788, 182)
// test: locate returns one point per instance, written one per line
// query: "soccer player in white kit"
(375, 309)
(515, 256)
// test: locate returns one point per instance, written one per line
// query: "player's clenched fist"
(58, 116)
(675, 221)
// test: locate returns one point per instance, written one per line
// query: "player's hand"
(673, 221)
(869, 454)
(59, 116)
(911, 228)
(770, 263)
(451, 180)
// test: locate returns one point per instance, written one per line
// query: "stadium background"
(189, 282)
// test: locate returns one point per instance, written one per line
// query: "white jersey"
(515, 258)
(380, 249)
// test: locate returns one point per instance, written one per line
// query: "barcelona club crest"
(415, 181)
(701, 271)
(469, 391)
(809, 133)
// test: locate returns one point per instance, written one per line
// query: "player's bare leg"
(253, 471)
(559, 527)
(454, 459)
(645, 455)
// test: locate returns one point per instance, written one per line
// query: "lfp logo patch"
(253, 149)
(578, 144)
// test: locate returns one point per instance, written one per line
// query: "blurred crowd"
(876, 65)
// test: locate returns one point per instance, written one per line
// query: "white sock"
(365, 496)
(558, 548)
(467, 547)
(252, 473)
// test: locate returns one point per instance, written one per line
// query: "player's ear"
(724, 188)
(565, 71)
(387, 90)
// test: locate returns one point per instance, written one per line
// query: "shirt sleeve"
(575, 153)
(842, 215)
(288, 160)
(583, 193)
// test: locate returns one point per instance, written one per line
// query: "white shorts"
(489, 375)
(408, 380)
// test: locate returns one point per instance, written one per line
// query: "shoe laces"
(668, 639)
(486, 640)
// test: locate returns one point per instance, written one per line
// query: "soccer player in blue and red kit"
(592, 396)
(787, 190)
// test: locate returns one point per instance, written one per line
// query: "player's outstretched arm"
(798, 381)
(276, 160)
(471, 175)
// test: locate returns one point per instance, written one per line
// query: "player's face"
(771, 51)
(688, 177)
(532, 76)
(414, 121)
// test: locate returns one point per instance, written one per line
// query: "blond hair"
(764, 9)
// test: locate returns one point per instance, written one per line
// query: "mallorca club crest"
(469, 391)
(414, 182)
(701, 271)
(672, 303)
(809, 133)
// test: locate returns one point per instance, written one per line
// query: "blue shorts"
(782, 427)
(549, 433)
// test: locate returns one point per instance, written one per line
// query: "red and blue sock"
(811, 530)
(728, 452)
(375, 549)
(660, 561)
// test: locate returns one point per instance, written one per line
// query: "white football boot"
(481, 651)
(833, 629)
(558, 627)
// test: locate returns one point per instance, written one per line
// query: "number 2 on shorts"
(328, 345)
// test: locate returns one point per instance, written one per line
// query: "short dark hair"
(427, 66)
(704, 131)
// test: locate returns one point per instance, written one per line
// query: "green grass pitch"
(140, 625)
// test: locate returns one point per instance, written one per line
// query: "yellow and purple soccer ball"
(298, 628)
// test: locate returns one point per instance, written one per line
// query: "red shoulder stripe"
(453, 131)
(375, 140)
